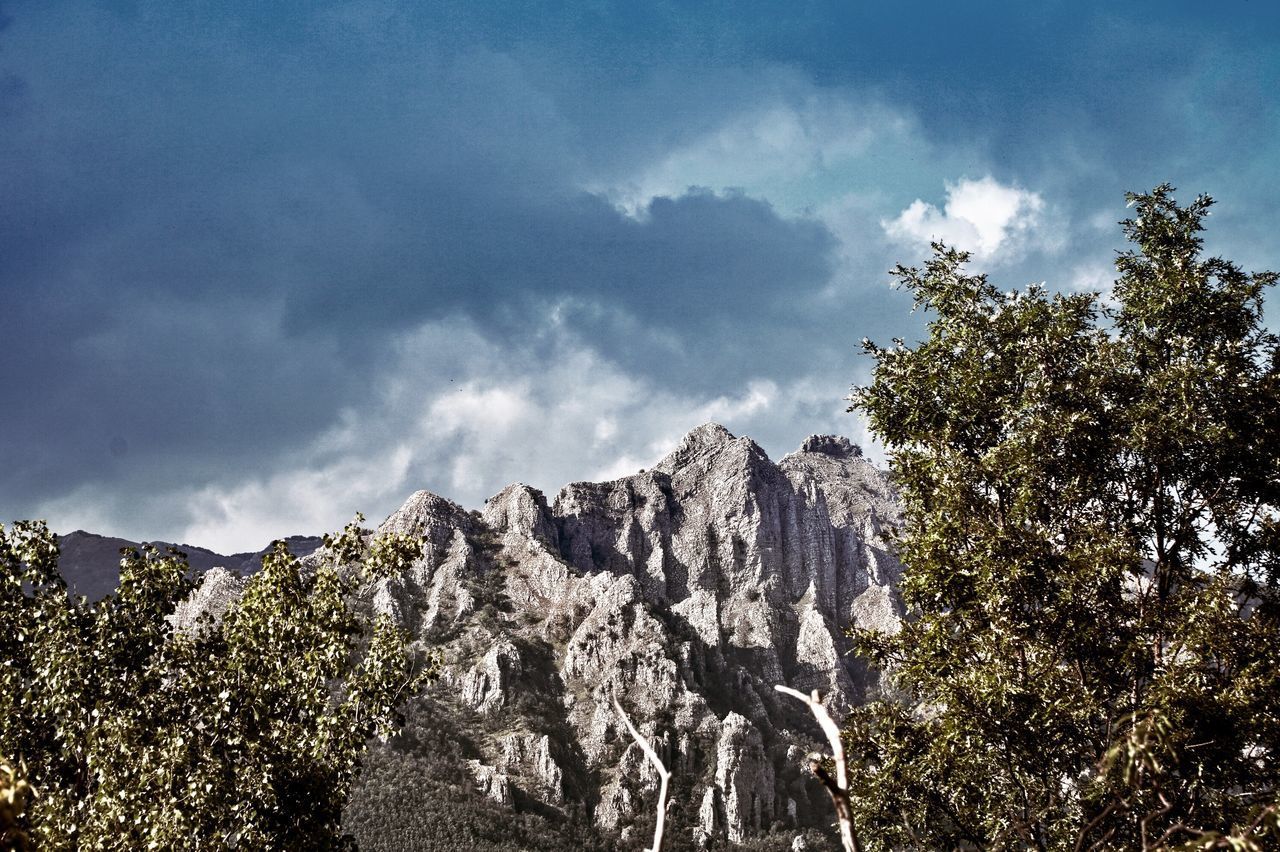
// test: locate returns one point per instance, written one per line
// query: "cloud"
(771, 149)
(249, 514)
(246, 247)
(1094, 276)
(545, 409)
(208, 379)
(209, 251)
(995, 222)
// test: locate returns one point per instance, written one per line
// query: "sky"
(264, 265)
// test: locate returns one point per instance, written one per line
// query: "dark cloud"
(208, 250)
(220, 221)
(689, 263)
(192, 379)
(11, 85)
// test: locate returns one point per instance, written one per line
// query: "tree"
(15, 795)
(1092, 552)
(243, 734)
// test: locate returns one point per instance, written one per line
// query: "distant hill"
(90, 563)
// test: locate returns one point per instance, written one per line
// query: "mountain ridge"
(687, 591)
(90, 562)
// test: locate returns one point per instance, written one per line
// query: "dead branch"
(837, 787)
(663, 775)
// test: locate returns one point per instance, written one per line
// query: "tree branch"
(663, 775)
(837, 787)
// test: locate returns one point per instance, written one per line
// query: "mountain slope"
(688, 591)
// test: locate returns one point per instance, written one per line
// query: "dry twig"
(663, 775)
(837, 787)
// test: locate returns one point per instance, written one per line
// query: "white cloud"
(464, 413)
(792, 151)
(1094, 277)
(545, 417)
(302, 499)
(757, 398)
(995, 222)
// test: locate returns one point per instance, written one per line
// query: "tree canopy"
(239, 734)
(1092, 552)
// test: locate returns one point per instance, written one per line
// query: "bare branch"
(663, 775)
(837, 787)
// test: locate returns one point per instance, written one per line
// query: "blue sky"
(265, 264)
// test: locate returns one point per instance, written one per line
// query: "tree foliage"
(1092, 658)
(243, 734)
(15, 797)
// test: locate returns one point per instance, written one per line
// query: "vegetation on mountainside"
(243, 734)
(417, 793)
(1092, 556)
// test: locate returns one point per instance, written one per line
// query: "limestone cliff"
(688, 591)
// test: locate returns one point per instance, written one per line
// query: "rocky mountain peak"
(701, 442)
(687, 591)
(837, 446)
(706, 436)
(428, 515)
(521, 510)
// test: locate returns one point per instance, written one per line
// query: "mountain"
(687, 591)
(90, 563)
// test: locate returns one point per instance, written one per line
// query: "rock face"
(687, 591)
(218, 590)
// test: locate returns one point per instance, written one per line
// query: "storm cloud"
(266, 264)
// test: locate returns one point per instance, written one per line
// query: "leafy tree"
(1091, 544)
(15, 794)
(243, 734)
